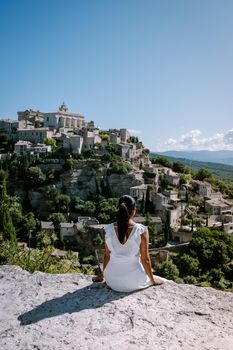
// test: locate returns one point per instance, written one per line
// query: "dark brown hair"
(126, 206)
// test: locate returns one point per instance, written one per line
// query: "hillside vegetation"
(222, 171)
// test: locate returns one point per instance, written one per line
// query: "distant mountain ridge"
(223, 157)
(220, 170)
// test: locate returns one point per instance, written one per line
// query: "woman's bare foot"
(98, 278)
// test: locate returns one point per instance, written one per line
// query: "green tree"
(146, 151)
(3, 189)
(104, 136)
(133, 139)
(69, 164)
(106, 209)
(77, 205)
(6, 142)
(118, 167)
(149, 206)
(188, 266)
(51, 142)
(162, 161)
(7, 229)
(167, 269)
(62, 202)
(35, 176)
(89, 208)
(179, 167)
(212, 248)
(57, 218)
(203, 174)
(26, 224)
(90, 153)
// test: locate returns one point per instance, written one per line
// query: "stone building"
(26, 147)
(90, 139)
(202, 188)
(8, 126)
(73, 142)
(138, 192)
(63, 118)
(35, 135)
(218, 207)
(29, 117)
(172, 178)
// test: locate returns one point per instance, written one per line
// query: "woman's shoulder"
(140, 228)
(108, 228)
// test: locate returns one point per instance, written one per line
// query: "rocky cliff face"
(88, 181)
(85, 181)
(42, 311)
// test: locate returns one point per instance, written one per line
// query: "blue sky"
(160, 67)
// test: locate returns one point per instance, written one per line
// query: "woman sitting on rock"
(126, 265)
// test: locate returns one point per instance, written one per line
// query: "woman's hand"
(156, 282)
(98, 278)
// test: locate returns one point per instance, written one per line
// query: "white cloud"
(193, 140)
(134, 132)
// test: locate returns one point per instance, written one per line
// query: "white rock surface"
(42, 311)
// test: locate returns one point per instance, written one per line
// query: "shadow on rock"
(89, 297)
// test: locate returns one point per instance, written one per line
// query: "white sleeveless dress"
(124, 271)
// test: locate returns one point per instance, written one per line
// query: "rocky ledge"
(43, 311)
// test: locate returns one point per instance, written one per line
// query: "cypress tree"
(6, 226)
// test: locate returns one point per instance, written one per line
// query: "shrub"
(188, 265)
(168, 270)
(190, 280)
(37, 259)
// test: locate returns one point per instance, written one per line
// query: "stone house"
(228, 227)
(124, 135)
(138, 192)
(87, 221)
(5, 156)
(215, 195)
(40, 148)
(30, 118)
(171, 194)
(73, 142)
(159, 201)
(26, 147)
(171, 213)
(172, 178)
(68, 231)
(90, 139)
(118, 136)
(202, 188)
(22, 147)
(8, 126)
(114, 138)
(181, 236)
(47, 226)
(128, 151)
(61, 254)
(154, 219)
(35, 135)
(218, 207)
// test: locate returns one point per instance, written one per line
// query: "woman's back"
(124, 271)
(130, 247)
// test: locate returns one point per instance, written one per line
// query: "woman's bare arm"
(100, 277)
(106, 256)
(145, 257)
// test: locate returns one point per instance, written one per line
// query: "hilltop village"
(66, 175)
